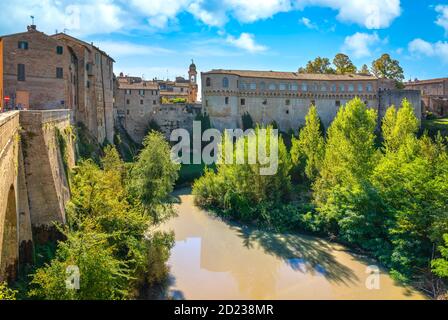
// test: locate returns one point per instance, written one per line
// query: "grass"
(435, 125)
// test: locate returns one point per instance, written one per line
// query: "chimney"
(32, 27)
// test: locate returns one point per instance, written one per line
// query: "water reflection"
(215, 260)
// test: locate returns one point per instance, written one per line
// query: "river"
(213, 259)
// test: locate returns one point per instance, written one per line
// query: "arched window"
(262, 86)
(225, 82)
(208, 82)
(272, 86)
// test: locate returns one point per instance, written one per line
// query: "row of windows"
(23, 45)
(295, 86)
(287, 102)
(141, 101)
(21, 72)
(141, 92)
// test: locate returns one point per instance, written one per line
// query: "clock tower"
(193, 74)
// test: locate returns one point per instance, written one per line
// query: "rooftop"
(427, 81)
(144, 85)
(291, 75)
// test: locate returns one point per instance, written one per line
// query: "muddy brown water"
(213, 259)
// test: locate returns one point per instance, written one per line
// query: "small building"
(434, 94)
(180, 90)
(134, 104)
(285, 97)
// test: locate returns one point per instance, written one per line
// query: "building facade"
(285, 97)
(35, 72)
(434, 94)
(181, 89)
(42, 72)
(135, 103)
(94, 85)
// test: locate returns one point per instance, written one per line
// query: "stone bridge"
(36, 150)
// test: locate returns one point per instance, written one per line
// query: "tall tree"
(388, 68)
(343, 64)
(365, 70)
(318, 65)
(309, 148)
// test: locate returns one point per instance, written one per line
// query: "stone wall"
(175, 116)
(388, 98)
(45, 168)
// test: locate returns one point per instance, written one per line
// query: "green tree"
(388, 68)
(247, 121)
(152, 177)
(440, 265)
(308, 150)
(7, 293)
(364, 70)
(343, 64)
(318, 65)
(102, 276)
(342, 192)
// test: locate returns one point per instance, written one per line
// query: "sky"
(158, 38)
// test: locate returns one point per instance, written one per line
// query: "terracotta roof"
(145, 85)
(291, 75)
(436, 80)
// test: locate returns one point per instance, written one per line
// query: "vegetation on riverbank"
(391, 201)
(108, 240)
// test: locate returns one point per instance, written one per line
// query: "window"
(225, 82)
(242, 85)
(141, 92)
(97, 58)
(333, 88)
(127, 101)
(265, 101)
(88, 84)
(59, 49)
(243, 102)
(369, 87)
(23, 45)
(206, 103)
(323, 87)
(294, 87)
(288, 102)
(208, 82)
(287, 111)
(304, 86)
(154, 101)
(341, 88)
(141, 101)
(127, 111)
(282, 86)
(262, 86)
(337, 103)
(21, 72)
(226, 100)
(272, 86)
(128, 91)
(351, 87)
(360, 88)
(59, 73)
(253, 86)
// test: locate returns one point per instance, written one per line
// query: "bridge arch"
(9, 240)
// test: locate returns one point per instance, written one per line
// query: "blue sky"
(157, 38)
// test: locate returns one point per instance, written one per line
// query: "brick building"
(135, 102)
(42, 72)
(434, 94)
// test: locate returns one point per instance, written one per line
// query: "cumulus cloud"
(442, 18)
(360, 44)
(439, 49)
(104, 16)
(246, 41)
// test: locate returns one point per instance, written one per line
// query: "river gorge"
(214, 259)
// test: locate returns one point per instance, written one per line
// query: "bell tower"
(192, 75)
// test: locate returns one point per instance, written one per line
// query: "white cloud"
(442, 18)
(359, 44)
(439, 49)
(307, 23)
(246, 41)
(84, 17)
(122, 49)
